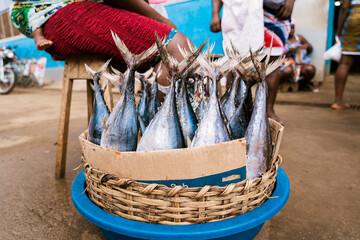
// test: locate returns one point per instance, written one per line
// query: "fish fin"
(148, 73)
(100, 71)
(90, 71)
(105, 86)
(104, 67)
(104, 121)
(188, 141)
(274, 65)
(117, 72)
(92, 86)
(116, 80)
(256, 64)
(169, 62)
(132, 60)
(164, 89)
(124, 51)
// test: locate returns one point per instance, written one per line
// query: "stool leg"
(63, 125)
(90, 98)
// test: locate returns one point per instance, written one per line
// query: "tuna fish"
(239, 122)
(202, 103)
(164, 131)
(100, 110)
(154, 103)
(228, 105)
(121, 129)
(212, 128)
(258, 139)
(144, 99)
(188, 120)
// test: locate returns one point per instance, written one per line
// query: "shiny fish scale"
(212, 127)
(188, 120)
(238, 123)
(144, 99)
(100, 111)
(121, 129)
(164, 131)
(258, 142)
(154, 103)
(228, 105)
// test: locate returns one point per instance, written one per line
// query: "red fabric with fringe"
(83, 28)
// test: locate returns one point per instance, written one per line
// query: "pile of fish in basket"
(192, 116)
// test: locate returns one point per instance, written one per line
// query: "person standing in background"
(246, 24)
(348, 31)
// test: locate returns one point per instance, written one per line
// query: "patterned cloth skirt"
(84, 28)
(350, 35)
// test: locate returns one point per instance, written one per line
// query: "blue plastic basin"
(244, 226)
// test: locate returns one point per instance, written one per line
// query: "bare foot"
(43, 43)
(340, 106)
(272, 115)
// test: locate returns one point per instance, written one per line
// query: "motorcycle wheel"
(7, 86)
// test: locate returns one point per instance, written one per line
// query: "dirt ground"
(320, 150)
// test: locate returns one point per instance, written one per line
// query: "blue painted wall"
(191, 18)
(25, 48)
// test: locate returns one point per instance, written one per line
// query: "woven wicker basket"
(177, 205)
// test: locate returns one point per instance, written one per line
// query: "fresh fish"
(144, 99)
(121, 129)
(258, 140)
(164, 131)
(188, 120)
(239, 122)
(202, 105)
(142, 124)
(228, 105)
(100, 110)
(154, 103)
(212, 128)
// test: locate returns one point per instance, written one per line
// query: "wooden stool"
(75, 70)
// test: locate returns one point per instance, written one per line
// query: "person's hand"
(215, 25)
(286, 10)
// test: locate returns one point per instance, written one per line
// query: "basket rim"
(112, 179)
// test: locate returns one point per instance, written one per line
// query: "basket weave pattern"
(177, 205)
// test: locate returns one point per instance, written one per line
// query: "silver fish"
(100, 110)
(188, 120)
(228, 105)
(164, 131)
(121, 129)
(144, 99)
(154, 103)
(212, 128)
(258, 140)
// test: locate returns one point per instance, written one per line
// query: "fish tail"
(96, 75)
(171, 63)
(132, 60)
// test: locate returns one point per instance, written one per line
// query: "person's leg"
(340, 80)
(308, 72)
(40, 41)
(272, 80)
(286, 74)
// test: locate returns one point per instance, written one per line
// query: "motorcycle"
(7, 75)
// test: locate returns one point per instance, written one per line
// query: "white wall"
(311, 21)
